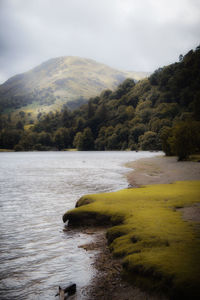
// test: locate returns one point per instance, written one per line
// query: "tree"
(105, 94)
(100, 142)
(130, 112)
(9, 138)
(65, 118)
(58, 140)
(167, 110)
(145, 115)
(123, 88)
(87, 140)
(113, 142)
(84, 141)
(121, 114)
(137, 131)
(79, 124)
(45, 139)
(77, 143)
(149, 141)
(164, 136)
(180, 57)
(101, 113)
(185, 139)
(61, 138)
(27, 142)
(66, 137)
(154, 78)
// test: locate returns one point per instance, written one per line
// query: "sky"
(132, 35)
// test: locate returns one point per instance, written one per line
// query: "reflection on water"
(36, 188)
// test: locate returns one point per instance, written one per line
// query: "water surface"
(36, 188)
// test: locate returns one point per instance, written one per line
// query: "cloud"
(125, 34)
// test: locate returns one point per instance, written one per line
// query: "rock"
(70, 290)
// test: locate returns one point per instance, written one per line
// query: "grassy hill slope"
(59, 81)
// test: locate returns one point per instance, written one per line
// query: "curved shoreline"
(108, 283)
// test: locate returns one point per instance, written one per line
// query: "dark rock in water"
(71, 289)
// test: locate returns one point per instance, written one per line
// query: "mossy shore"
(159, 249)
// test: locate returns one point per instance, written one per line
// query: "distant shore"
(108, 284)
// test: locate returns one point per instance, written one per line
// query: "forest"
(161, 112)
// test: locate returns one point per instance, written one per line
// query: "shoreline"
(108, 282)
(161, 170)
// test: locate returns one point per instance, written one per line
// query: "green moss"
(159, 249)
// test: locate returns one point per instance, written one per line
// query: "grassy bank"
(160, 251)
(6, 150)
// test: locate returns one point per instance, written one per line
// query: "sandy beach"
(161, 169)
(108, 282)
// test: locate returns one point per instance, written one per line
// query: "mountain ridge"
(59, 80)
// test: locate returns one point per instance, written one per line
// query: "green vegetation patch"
(160, 250)
(6, 150)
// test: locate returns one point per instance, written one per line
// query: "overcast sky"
(136, 35)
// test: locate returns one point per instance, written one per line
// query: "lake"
(36, 188)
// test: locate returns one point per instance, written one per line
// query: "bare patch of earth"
(191, 213)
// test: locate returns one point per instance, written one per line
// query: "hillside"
(149, 115)
(58, 81)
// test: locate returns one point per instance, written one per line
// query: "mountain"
(58, 81)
